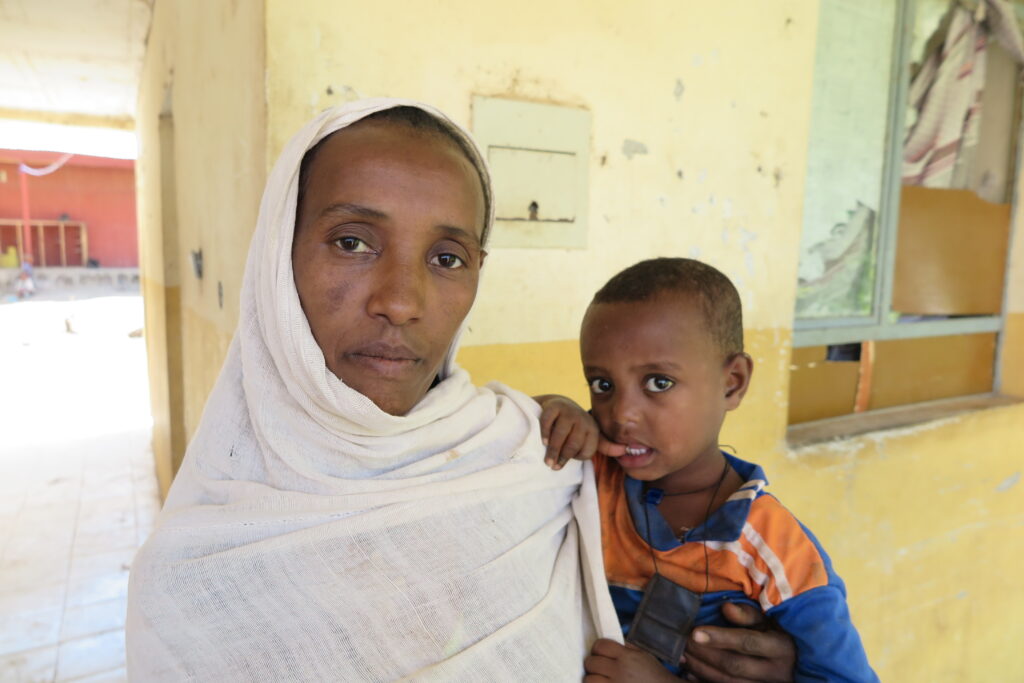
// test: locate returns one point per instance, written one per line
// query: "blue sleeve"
(828, 647)
(827, 644)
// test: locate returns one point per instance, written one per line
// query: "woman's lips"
(383, 359)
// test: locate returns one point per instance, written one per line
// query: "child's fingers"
(547, 418)
(559, 432)
(606, 647)
(610, 448)
(589, 445)
(573, 444)
(599, 668)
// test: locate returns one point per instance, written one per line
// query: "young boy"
(662, 351)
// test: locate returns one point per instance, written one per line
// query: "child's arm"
(570, 432)
(828, 645)
(803, 596)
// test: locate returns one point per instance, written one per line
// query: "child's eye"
(658, 384)
(352, 244)
(448, 261)
(600, 386)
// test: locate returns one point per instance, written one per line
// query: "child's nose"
(624, 412)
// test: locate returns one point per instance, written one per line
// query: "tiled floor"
(77, 488)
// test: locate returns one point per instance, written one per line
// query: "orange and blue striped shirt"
(752, 549)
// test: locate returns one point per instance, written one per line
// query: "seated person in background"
(26, 286)
(662, 350)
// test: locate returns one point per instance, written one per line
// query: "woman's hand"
(740, 655)
(611, 662)
(570, 432)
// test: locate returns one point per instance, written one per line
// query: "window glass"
(845, 158)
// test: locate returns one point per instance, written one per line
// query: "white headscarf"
(311, 536)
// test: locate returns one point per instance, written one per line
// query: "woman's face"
(387, 256)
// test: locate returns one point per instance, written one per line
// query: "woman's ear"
(738, 370)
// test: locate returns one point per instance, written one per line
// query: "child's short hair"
(717, 297)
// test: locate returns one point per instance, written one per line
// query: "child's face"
(658, 383)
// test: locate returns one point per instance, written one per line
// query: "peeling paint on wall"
(631, 148)
(746, 237)
(1008, 483)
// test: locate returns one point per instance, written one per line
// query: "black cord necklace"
(668, 610)
(715, 484)
(707, 514)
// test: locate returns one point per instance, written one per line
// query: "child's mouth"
(636, 456)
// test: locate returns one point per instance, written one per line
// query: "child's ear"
(738, 369)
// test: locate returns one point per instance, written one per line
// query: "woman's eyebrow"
(347, 208)
(454, 232)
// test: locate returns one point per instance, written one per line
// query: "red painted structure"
(97, 191)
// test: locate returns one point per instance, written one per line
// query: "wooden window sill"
(846, 426)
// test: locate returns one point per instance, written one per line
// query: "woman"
(352, 507)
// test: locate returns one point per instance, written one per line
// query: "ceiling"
(78, 57)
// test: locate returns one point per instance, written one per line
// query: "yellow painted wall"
(152, 260)
(737, 131)
(1012, 371)
(922, 523)
(204, 67)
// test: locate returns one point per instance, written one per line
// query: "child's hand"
(610, 661)
(570, 432)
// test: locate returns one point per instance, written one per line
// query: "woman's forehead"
(377, 158)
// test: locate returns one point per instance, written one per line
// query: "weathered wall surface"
(202, 131)
(1012, 375)
(716, 96)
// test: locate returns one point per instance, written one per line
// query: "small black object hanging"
(664, 620)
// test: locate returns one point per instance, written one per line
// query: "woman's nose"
(398, 292)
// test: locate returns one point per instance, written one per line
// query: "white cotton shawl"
(309, 536)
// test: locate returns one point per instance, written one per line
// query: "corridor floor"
(78, 493)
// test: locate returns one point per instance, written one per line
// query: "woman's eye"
(449, 261)
(352, 244)
(600, 386)
(658, 384)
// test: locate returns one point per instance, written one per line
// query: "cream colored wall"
(149, 206)
(737, 131)
(210, 56)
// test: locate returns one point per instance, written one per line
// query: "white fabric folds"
(309, 536)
